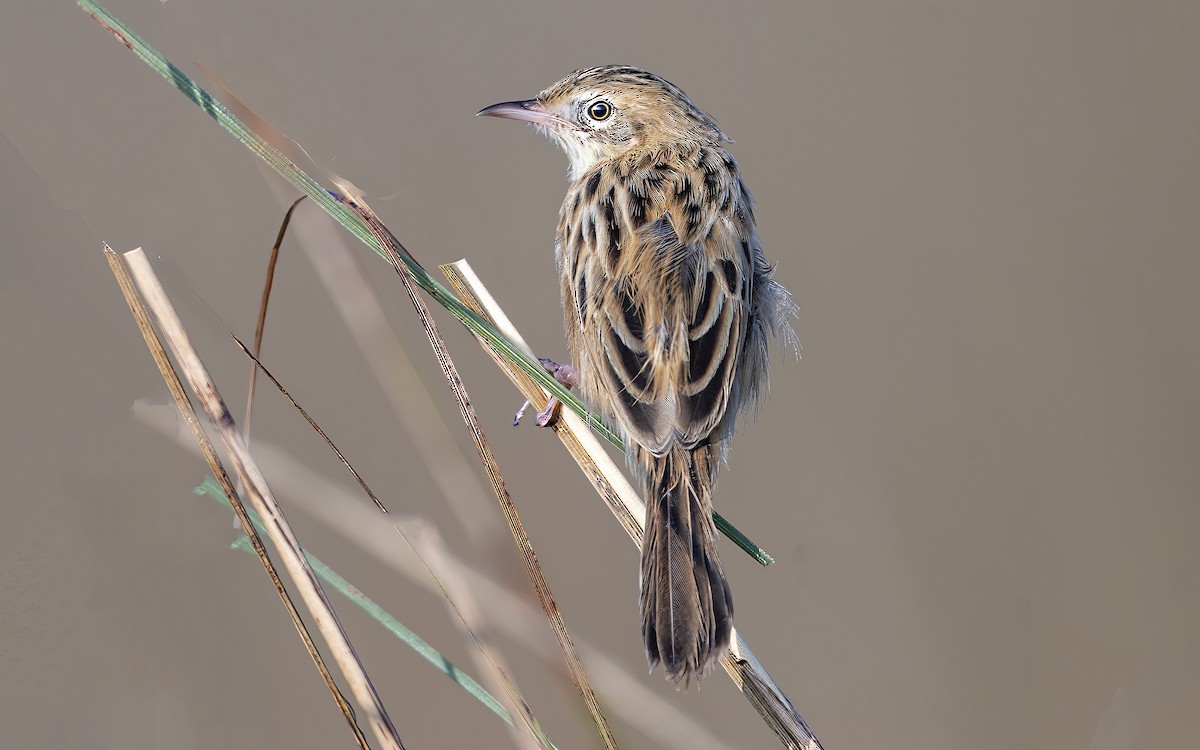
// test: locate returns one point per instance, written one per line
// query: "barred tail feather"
(687, 610)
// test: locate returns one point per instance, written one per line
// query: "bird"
(668, 305)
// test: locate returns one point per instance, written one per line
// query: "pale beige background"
(981, 482)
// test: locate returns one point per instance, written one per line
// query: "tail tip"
(683, 671)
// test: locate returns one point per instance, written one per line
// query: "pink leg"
(565, 374)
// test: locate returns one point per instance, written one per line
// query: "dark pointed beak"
(530, 110)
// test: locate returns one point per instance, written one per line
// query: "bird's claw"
(520, 413)
(547, 416)
(568, 376)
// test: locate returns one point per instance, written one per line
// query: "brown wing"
(670, 333)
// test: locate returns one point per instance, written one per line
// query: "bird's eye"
(600, 110)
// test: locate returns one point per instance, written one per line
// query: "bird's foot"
(565, 374)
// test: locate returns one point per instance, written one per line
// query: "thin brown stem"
(262, 312)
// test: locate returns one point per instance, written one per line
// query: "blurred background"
(980, 483)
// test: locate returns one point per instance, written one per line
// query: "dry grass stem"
(188, 415)
(263, 501)
(743, 667)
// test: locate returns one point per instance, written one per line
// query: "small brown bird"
(668, 303)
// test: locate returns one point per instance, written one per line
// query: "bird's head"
(611, 111)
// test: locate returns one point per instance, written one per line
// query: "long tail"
(687, 611)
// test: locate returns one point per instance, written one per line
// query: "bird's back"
(662, 279)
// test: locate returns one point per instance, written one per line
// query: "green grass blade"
(210, 488)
